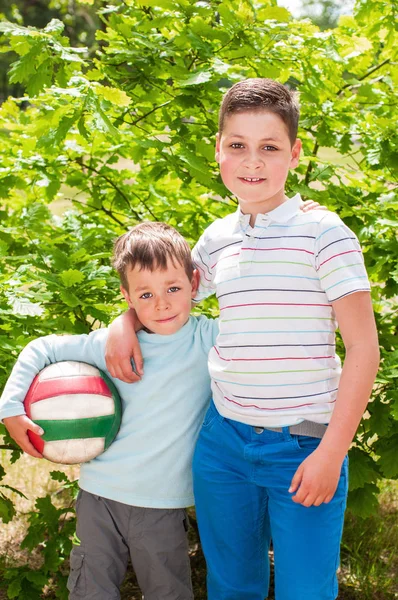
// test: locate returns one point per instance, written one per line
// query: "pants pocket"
(211, 416)
(76, 580)
(306, 442)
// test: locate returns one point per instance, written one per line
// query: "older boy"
(133, 497)
(270, 462)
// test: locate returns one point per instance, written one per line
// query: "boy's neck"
(261, 208)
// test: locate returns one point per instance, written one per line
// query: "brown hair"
(150, 245)
(262, 94)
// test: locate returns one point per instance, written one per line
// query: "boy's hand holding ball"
(18, 428)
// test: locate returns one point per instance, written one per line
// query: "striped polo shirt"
(275, 362)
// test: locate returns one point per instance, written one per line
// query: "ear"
(296, 149)
(126, 296)
(195, 283)
(217, 147)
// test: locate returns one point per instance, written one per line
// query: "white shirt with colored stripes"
(274, 362)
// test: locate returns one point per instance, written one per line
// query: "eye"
(146, 295)
(270, 148)
(236, 145)
(173, 289)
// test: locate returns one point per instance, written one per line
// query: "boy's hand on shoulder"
(122, 345)
(316, 480)
(309, 205)
(18, 428)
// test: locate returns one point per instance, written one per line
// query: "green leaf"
(363, 501)
(277, 13)
(195, 79)
(35, 535)
(362, 469)
(79, 256)
(52, 556)
(69, 298)
(114, 95)
(388, 462)
(38, 578)
(194, 161)
(380, 418)
(54, 26)
(71, 277)
(82, 128)
(19, 44)
(23, 68)
(102, 122)
(59, 476)
(14, 588)
(7, 509)
(47, 510)
(57, 135)
(12, 28)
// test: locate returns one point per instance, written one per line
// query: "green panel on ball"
(117, 417)
(74, 429)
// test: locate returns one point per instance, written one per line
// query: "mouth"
(168, 320)
(252, 180)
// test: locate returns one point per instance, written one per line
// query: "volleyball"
(79, 409)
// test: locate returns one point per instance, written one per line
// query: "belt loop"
(286, 433)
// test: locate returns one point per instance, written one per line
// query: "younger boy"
(133, 497)
(270, 462)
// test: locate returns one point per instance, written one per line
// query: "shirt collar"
(281, 214)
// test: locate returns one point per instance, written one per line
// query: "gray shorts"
(109, 531)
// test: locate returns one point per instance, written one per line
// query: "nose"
(253, 160)
(162, 303)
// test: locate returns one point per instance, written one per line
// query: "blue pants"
(241, 482)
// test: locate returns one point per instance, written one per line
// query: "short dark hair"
(150, 245)
(262, 94)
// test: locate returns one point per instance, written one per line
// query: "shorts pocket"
(210, 416)
(306, 442)
(77, 580)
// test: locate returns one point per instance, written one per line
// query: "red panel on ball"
(37, 441)
(49, 388)
(29, 398)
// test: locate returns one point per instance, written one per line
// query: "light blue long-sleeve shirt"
(149, 462)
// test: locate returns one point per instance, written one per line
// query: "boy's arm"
(317, 477)
(122, 345)
(33, 358)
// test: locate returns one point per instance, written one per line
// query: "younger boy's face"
(161, 298)
(255, 154)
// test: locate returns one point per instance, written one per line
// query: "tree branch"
(150, 112)
(96, 209)
(370, 72)
(113, 184)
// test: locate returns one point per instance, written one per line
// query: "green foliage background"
(126, 133)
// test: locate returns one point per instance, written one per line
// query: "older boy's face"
(161, 299)
(255, 155)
